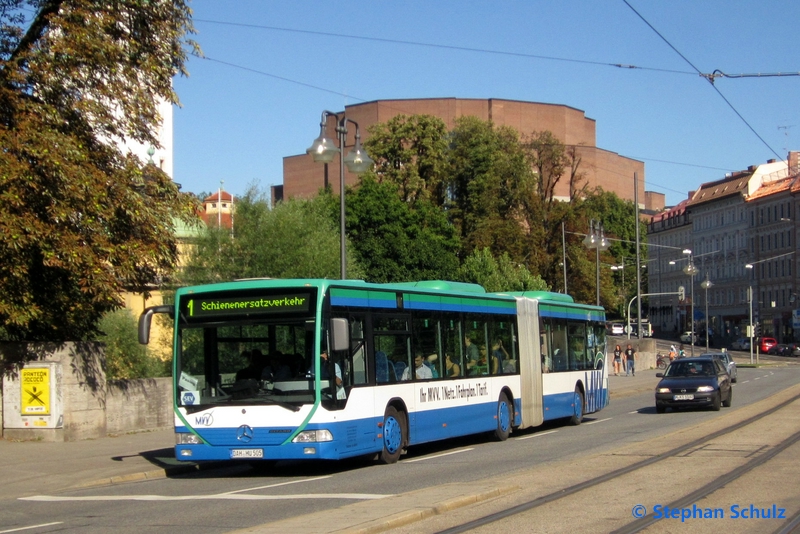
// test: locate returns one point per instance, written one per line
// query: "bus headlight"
(185, 438)
(313, 436)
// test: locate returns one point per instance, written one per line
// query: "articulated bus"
(330, 369)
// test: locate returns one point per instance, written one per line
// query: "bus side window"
(558, 346)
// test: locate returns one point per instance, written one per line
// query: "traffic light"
(758, 330)
(681, 293)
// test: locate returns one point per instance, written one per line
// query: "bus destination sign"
(201, 308)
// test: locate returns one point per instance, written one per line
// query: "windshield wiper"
(286, 405)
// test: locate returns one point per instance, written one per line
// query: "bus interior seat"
(399, 369)
(381, 368)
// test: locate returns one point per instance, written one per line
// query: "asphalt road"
(240, 497)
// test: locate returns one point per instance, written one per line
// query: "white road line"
(217, 496)
(538, 434)
(276, 485)
(599, 421)
(437, 456)
(30, 527)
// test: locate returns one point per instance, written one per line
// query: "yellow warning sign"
(35, 384)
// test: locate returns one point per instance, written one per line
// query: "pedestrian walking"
(630, 357)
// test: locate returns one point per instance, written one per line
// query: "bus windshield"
(253, 357)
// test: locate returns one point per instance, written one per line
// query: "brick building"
(302, 177)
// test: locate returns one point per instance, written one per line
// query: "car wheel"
(577, 407)
(505, 414)
(717, 402)
(727, 402)
(394, 435)
(660, 408)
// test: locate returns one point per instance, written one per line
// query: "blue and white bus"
(330, 369)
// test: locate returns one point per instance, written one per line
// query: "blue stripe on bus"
(450, 306)
(420, 305)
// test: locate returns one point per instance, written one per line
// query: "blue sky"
(270, 70)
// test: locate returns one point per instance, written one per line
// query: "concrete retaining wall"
(76, 402)
(143, 404)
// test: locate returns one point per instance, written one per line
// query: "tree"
(295, 239)
(83, 220)
(499, 275)
(124, 357)
(395, 242)
(410, 152)
(488, 174)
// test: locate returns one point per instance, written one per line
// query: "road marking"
(30, 527)
(599, 421)
(539, 434)
(216, 496)
(276, 485)
(437, 456)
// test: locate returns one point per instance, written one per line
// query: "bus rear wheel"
(577, 407)
(505, 415)
(394, 435)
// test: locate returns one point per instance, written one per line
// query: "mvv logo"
(207, 419)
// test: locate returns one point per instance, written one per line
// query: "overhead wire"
(444, 46)
(709, 79)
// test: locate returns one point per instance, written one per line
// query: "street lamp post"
(596, 239)
(323, 150)
(690, 270)
(705, 285)
(751, 266)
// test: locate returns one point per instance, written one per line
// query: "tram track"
(594, 486)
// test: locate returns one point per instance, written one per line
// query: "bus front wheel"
(577, 407)
(394, 435)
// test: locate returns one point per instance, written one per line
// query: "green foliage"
(295, 239)
(125, 357)
(499, 275)
(82, 221)
(488, 177)
(395, 242)
(410, 152)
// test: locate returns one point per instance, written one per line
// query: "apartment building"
(741, 231)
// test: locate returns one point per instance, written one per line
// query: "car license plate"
(247, 453)
(683, 397)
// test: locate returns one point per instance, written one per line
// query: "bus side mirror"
(147, 316)
(340, 334)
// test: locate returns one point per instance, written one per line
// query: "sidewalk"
(33, 467)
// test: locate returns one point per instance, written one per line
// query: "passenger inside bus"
(472, 353)
(421, 371)
(499, 357)
(254, 368)
(452, 368)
